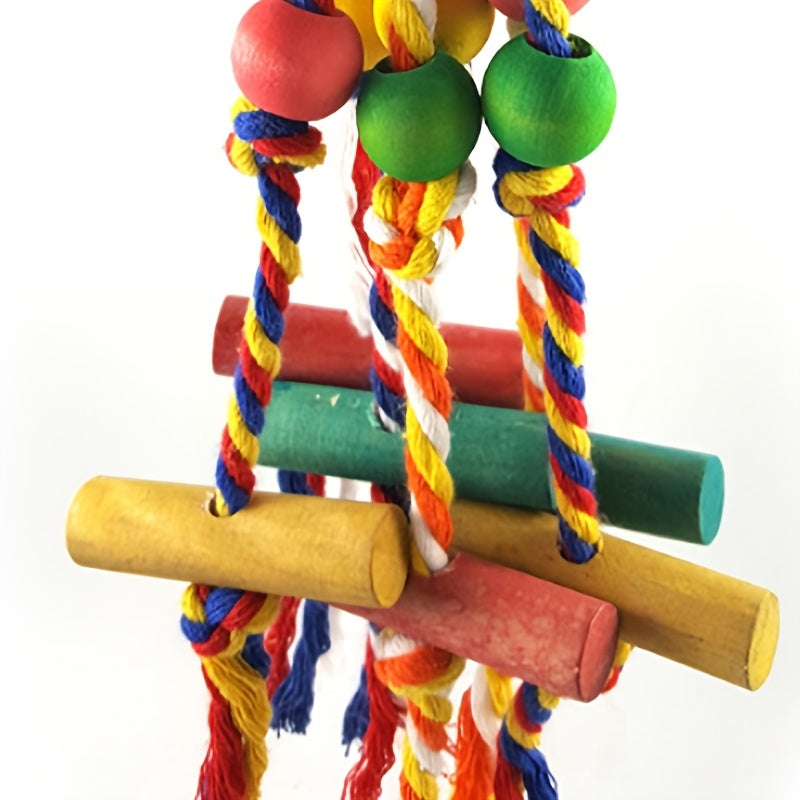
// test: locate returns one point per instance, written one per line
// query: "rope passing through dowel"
(229, 637)
(382, 714)
(226, 626)
(413, 223)
(533, 186)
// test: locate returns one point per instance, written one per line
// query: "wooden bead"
(421, 124)
(462, 26)
(513, 8)
(296, 63)
(360, 11)
(544, 110)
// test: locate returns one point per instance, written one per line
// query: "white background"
(122, 229)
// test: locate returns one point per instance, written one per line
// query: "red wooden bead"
(513, 8)
(296, 63)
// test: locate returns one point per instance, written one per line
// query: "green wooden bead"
(545, 110)
(421, 124)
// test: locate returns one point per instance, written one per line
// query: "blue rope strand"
(536, 776)
(393, 405)
(235, 497)
(258, 124)
(280, 206)
(356, 715)
(384, 318)
(255, 655)
(249, 405)
(294, 698)
(569, 378)
(267, 312)
(545, 36)
(308, 5)
(558, 268)
(250, 126)
(293, 701)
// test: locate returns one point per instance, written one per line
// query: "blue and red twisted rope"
(565, 388)
(225, 624)
(564, 382)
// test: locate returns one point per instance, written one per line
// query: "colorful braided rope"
(409, 225)
(551, 323)
(531, 319)
(543, 197)
(430, 485)
(403, 220)
(483, 707)
(519, 743)
(226, 626)
(382, 716)
(363, 781)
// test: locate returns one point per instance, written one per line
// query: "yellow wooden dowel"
(356, 553)
(331, 550)
(711, 622)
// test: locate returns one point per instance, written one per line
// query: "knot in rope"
(423, 675)
(520, 189)
(260, 138)
(414, 227)
(216, 620)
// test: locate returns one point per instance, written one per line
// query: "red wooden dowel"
(522, 626)
(320, 345)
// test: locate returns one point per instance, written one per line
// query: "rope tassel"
(377, 757)
(294, 698)
(356, 715)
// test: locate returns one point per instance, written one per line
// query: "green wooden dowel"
(498, 456)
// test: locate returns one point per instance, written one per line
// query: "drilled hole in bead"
(211, 505)
(580, 47)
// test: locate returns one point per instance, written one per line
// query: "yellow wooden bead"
(462, 26)
(360, 11)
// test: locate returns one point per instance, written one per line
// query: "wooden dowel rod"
(519, 625)
(351, 554)
(355, 554)
(320, 345)
(711, 622)
(331, 550)
(499, 456)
